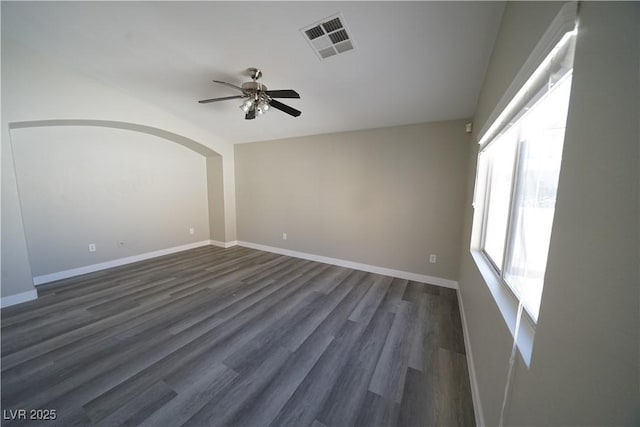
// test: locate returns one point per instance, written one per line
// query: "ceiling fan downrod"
(255, 73)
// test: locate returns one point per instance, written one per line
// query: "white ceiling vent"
(329, 36)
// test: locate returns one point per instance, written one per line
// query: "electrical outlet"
(284, 236)
(92, 247)
(432, 258)
(192, 231)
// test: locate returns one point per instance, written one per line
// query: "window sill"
(508, 306)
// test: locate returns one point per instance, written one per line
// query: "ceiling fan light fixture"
(246, 105)
(263, 107)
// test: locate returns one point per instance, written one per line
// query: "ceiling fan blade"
(284, 108)
(228, 84)
(224, 98)
(251, 114)
(284, 93)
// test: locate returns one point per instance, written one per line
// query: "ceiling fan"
(258, 99)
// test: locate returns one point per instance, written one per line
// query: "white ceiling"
(414, 62)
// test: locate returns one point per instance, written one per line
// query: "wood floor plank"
(425, 339)
(140, 407)
(22, 336)
(72, 374)
(228, 402)
(86, 382)
(192, 398)
(372, 299)
(96, 330)
(347, 395)
(359, 282)
(88, 347)
(454, 397)
(238, 333)
(301, 329)
(393, 297)
(306, 402)
(225, 337)
(240, 337)
(420, 399)
(236, 304)
(450, 335)
(245, 357)
(378, 411)
(265, 406)
(388, 378)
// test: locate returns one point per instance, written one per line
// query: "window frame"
(510, 234)
(499, 271)
(508, 237)
(508, 109)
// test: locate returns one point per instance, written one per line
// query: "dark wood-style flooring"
(236, 337)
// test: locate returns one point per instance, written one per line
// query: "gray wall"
(127, 192)
(585, 366)
(36, 87)
(385, 197)
(16, 270)
(215, 196)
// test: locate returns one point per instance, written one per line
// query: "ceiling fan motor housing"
(250, 88)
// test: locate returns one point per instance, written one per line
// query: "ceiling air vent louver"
(314, 33)
(325, 53)
(332, 25)
(338, 36)
(328, 37)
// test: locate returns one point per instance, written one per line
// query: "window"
(522, 169)
(517, 179)
(500, 157)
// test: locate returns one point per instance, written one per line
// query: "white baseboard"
(46, 278)
(223, 244)
(475, 391)
(52, 277)
(355, 265)
(18, 298)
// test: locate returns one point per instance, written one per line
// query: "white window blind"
(517, 178)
